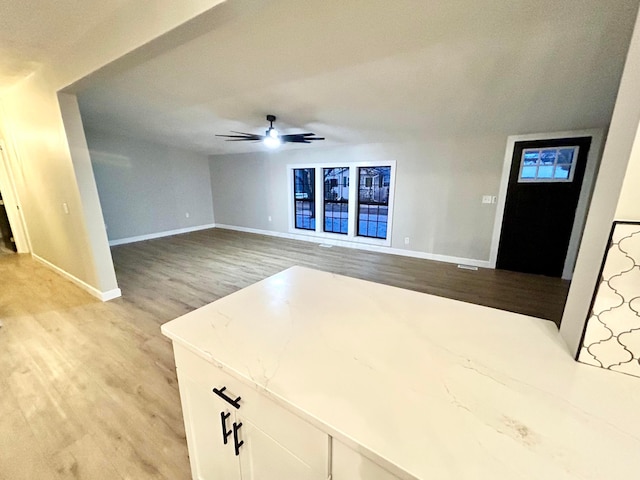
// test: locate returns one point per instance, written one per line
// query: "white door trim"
(12, 202)
(588, 182)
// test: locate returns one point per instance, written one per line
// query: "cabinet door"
(210, 458)
(262, 458)
(350, 465)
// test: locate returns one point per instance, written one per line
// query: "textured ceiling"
(370, 70)
(33, 31)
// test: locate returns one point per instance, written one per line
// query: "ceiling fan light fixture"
(272, 141)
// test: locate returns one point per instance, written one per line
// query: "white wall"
(610, 198)
(32, 127)
(629, 201)
(146, 188)
(438, 199)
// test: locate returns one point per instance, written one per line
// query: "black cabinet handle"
(225, 433)
(220, 393)
(236, 427)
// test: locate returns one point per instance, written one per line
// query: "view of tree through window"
(304, 187)
(336, 200)
(373, 201)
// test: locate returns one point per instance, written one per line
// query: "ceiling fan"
(272, 137)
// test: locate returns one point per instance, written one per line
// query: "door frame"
(588, 182)
(12, 202)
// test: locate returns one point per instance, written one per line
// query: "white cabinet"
(348, 464)
(209, 456)
(263, 458)
(263, 440)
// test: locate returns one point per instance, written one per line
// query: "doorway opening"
(7, 242)
(13, 234)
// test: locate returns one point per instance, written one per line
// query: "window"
(548, 164)
(373, 201)
(352, 202)
(304, 187)
(336, 200)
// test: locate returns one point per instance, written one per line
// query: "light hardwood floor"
(88, 389)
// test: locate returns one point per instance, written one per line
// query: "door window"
(547, 164)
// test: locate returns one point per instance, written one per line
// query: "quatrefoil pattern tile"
(612, 334)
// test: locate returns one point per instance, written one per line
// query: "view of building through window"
(336, 199)
(373, 201)
(304, 187)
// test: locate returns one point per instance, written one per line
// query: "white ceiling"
(362, 71)
(34, 31)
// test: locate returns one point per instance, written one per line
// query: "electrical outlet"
(186, 214)
(269, 217)
(406, 240)
(65, 207)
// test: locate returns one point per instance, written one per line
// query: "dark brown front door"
(5, 227)
(544, 188)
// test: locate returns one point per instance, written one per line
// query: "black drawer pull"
(220, 393)
(236, 427)
(225, 433)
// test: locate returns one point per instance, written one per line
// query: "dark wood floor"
(174, 275)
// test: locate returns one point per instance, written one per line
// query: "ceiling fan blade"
(245, 133)
(314, 138)
(296, 135)
(243, 137)
(243, 140)
(295, 140)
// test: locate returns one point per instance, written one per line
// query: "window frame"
(351, 236)
(345, 180)
(295, 200)
(359, 204)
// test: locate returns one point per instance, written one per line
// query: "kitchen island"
(311, 375)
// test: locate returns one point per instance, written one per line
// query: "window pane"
(373, 201)
(529, 172)
(565, 155)
(545, 171)
(304, 187)
(562, 172)
(547, 157)
(336, 200)
(531, 157)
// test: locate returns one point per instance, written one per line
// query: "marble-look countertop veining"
(439, 388)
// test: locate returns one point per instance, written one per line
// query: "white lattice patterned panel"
(612, 334)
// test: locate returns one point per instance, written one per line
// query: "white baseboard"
(104, 296)
(364, 246)
(167, 233)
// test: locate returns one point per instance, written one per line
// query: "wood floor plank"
(84, 459)
(20, 458)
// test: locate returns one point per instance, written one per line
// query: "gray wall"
(438, 199)
(146, 188)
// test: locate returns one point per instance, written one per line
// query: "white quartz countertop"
(435, 387)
